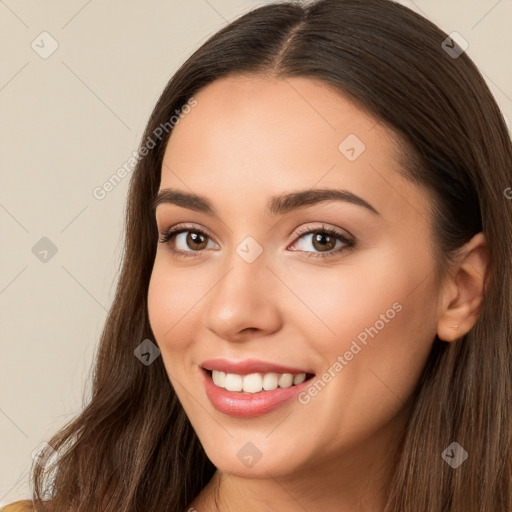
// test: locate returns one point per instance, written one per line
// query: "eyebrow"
(277, 205)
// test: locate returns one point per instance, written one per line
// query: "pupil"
(322, 236)
(195, 239)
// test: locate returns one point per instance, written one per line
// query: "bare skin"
(250, 139)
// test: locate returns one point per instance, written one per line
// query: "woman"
(314, 311)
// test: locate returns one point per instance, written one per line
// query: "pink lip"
(248, 405)
(249, 366)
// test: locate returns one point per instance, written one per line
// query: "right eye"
(185, 241)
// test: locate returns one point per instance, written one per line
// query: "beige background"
(68, 122)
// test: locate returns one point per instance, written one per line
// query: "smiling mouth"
(257, 382)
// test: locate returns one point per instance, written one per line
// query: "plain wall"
(68, 122)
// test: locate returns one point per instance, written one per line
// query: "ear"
(463, 290)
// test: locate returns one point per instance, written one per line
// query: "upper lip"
(249, 366)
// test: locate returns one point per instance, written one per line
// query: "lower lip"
(248, 405)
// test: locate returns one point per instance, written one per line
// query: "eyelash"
(171, 233)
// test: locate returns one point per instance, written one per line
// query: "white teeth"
(233, 382)
(252, 383)
(256, 382)
(219, 378)
(270, 381)
(286, 380)
(301, 377)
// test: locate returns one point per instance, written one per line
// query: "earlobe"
(463, 291)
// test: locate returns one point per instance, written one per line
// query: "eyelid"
(307, 228)
(186, 226)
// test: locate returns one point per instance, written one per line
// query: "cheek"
(370, 369)
(380, 325)
(366, 292)
(354, 295)
(173, 296)
(378, 316)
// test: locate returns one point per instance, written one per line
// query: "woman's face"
(356, 306)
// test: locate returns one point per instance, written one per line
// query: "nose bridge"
(245, 280)
(243, 297)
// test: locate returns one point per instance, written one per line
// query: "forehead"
(255, 134)
(254, 109)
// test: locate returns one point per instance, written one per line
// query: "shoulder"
(18, 506)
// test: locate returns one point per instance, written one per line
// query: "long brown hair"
(132, 448)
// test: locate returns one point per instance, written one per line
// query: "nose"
(244, 302)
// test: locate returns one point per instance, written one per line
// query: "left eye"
(324, 241)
